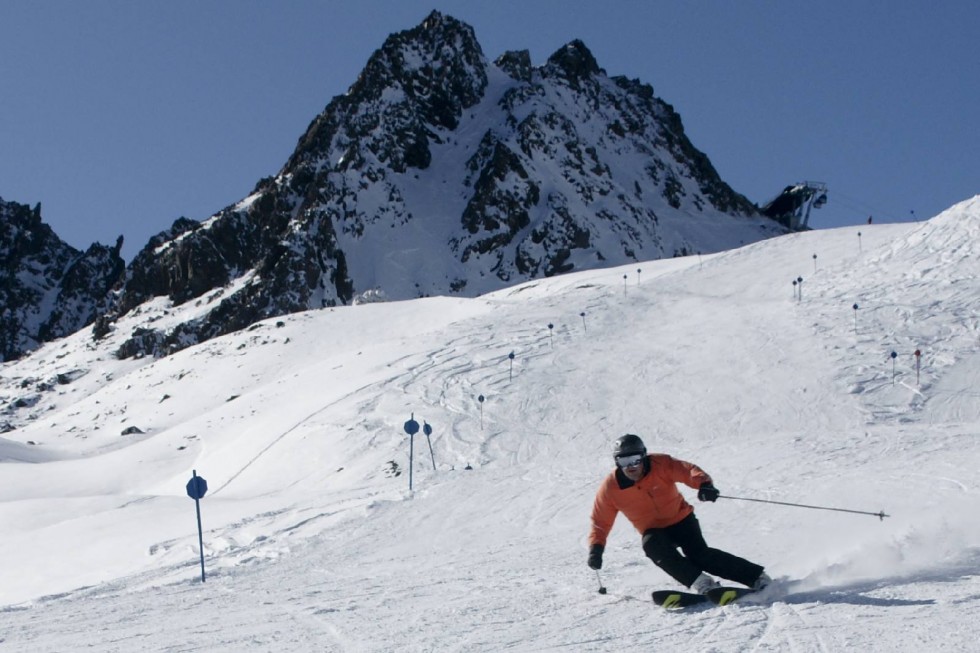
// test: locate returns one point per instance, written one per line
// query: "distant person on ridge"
(643, 487)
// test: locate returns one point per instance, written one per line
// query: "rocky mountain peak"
(575, 60)
(438, 65)
(516, 63)
(439, 172)
(48, 289)
(420, 80)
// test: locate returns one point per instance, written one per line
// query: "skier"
(643, 487)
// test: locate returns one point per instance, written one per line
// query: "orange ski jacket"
(651, 502)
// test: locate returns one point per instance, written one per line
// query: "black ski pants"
(661, 544)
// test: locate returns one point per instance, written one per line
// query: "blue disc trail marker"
(197, 487)
(427, 429)
(411, 427)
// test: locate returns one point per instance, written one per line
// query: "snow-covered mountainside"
(440, 172)
(313, 540)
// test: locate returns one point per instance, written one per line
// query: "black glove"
(708, 492)
(595, 556)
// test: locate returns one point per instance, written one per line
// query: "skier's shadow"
(849, 596)
(853, 594)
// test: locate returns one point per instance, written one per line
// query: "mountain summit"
(440, 172)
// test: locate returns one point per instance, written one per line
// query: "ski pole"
(880, 515)
(602, 589)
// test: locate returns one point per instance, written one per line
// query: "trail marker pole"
(855, 307)
(551, 339)
(411, 427)
(511, 357)
(428, 432)
(624, 285)
(480, 399)
(638, 270)
(894, 355)
(814, 263)
(918, 355)
(795, 294)
(800, 282)
(859, 243)
(197, 487)
(584, 327)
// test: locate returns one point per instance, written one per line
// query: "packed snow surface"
(314, 540)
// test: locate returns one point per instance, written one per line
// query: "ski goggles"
(630, 461)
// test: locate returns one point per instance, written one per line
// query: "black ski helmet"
(629, 445)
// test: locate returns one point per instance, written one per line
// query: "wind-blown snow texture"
(313, 542)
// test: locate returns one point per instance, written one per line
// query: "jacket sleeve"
(604, 513)
(687, 473)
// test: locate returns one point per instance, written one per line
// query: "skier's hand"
(708, 492)
(595, 556)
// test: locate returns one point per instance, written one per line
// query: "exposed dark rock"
(517, 64)
(437, 172)
(48, 289)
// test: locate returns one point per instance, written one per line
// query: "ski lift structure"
(792, 207)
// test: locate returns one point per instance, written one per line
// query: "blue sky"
(120, 117)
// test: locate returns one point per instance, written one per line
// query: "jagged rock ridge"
(440, 172)
(48, 289)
